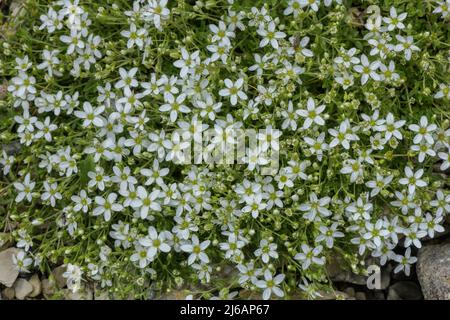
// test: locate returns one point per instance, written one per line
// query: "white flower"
(82, 201)
(354, 168)
(388, 73)
(445, 157)
(290, 117)
(146, 201)
(254, 205)
(261, 64)
(25, 189)
(344, 136)
(348, 58)
(390, 127)
(156, 11)
(51, 21)
(309, 256)
(107, 206)
(196, 250)
(174, 106)
(219, 51)
(443, 8)
(255, 157)
(395, 21)
(6, 161)
(412, 179)
(378, 184)
(154, 243)
(90, 115)
(45, 129)
(313, 4)
(328, 234)
(317, 146)
(270, 35)
(74, 41)
(346, 80)
(367, 69)
(155, 174)
(177, 148)
(432, 224)
(266, 251)
(233, 90)
(248, 273)
(405, 202)
(413, 236)
(73, 275)
(232, 247)
(123, 177)
(312, 114)
(135, 37)
(442, 203)
(284, 179)
(127, 80)
(23, 64)
(51, 193)
(424, 149)
(315, 207)
(141, 256)
(22, 85)
(293, 8)
(21, 261)
(424, 131)
(222, 33)
(361, 208)
(444, 91)
(208, 107)
(270, 285)
(375, 232)
(407, 45)
(26, 122)
(188, 62)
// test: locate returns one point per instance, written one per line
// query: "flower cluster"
(98, 93)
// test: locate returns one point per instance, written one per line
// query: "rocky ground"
(429, 279)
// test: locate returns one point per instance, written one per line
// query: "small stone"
(333, 295)
(82, 294)
(57, 274)
(37, 286)
(22, 288)
(433, 271)
(404, 290)
(8, 271)
(101, 295)
(5, 241)
(9, 293)
(12, 148)
(385, 277)
(48, 288)
(337, 272)
(350, 291)
(174, 295)
(360, 296)
(378, 295)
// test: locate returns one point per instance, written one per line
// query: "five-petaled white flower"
(196, 250)
(412, 179)
(312, 114)
(233, 90)
(270, 285)
(106, 206)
